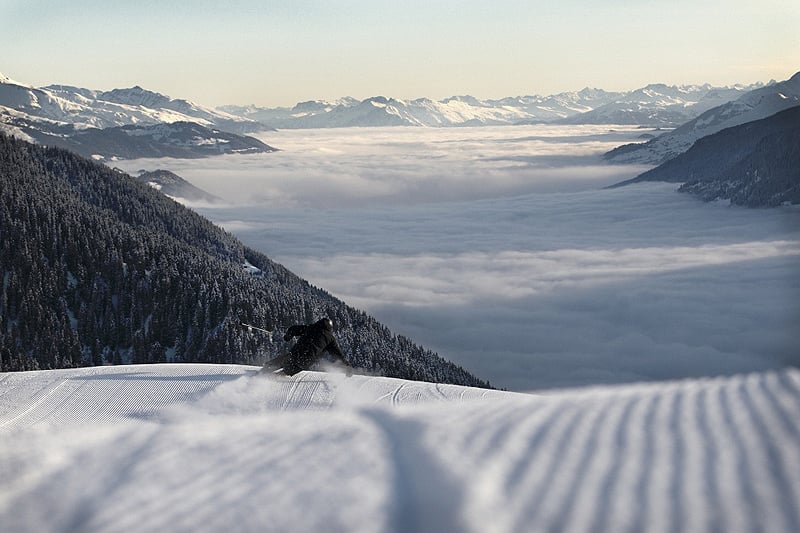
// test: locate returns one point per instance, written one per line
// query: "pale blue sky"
(280, 52)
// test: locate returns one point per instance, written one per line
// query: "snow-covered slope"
(127, 123)
(85, 108)
(176, 187)
(214, 448)
(176, 139)
(754, 105)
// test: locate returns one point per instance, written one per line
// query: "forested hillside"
(97, 268)
(756, 164)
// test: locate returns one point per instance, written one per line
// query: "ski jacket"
(314, 339)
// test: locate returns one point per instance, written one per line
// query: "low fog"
(499, 249)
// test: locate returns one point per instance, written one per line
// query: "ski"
(272, 372)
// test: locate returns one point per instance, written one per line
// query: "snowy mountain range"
(86, 108)
(187, 448)
(659, 105)
(654, 105)
(753, 105)
(59, 114)
(454, 111)
(123, 123)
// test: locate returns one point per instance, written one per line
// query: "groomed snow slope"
(213, 448)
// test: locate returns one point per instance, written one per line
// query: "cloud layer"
(362, 167)
(497, 248)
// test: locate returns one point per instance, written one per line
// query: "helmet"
(327, 323)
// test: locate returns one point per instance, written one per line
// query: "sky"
(277, 53)
(525, 271)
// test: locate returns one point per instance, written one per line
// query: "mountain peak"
(6, 79)
(466, 99)
(135, 95)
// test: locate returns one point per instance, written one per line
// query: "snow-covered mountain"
(123, 123)
(85, 108)
(658, 105)
(175, 186)
(754, 105)
(756, 164)
(186, 140)
(187, 448)
(383, 111)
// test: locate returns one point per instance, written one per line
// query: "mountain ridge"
(656, 104)
(576, 107)
(175, 187)
(184, 140)
(753, 105)
(58, 114)
(755, 164)
(86, 108)
(127, 123)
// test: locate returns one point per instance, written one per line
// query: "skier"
(314, 339)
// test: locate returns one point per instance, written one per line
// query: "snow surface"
(216, 448)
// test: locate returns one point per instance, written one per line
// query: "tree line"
(97, 268)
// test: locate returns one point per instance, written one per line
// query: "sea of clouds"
(500, 249)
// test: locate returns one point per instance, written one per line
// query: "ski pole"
(251, 327)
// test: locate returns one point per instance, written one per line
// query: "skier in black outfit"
(314, 340)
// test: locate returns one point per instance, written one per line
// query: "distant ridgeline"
(755, 164)
(98, 268)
